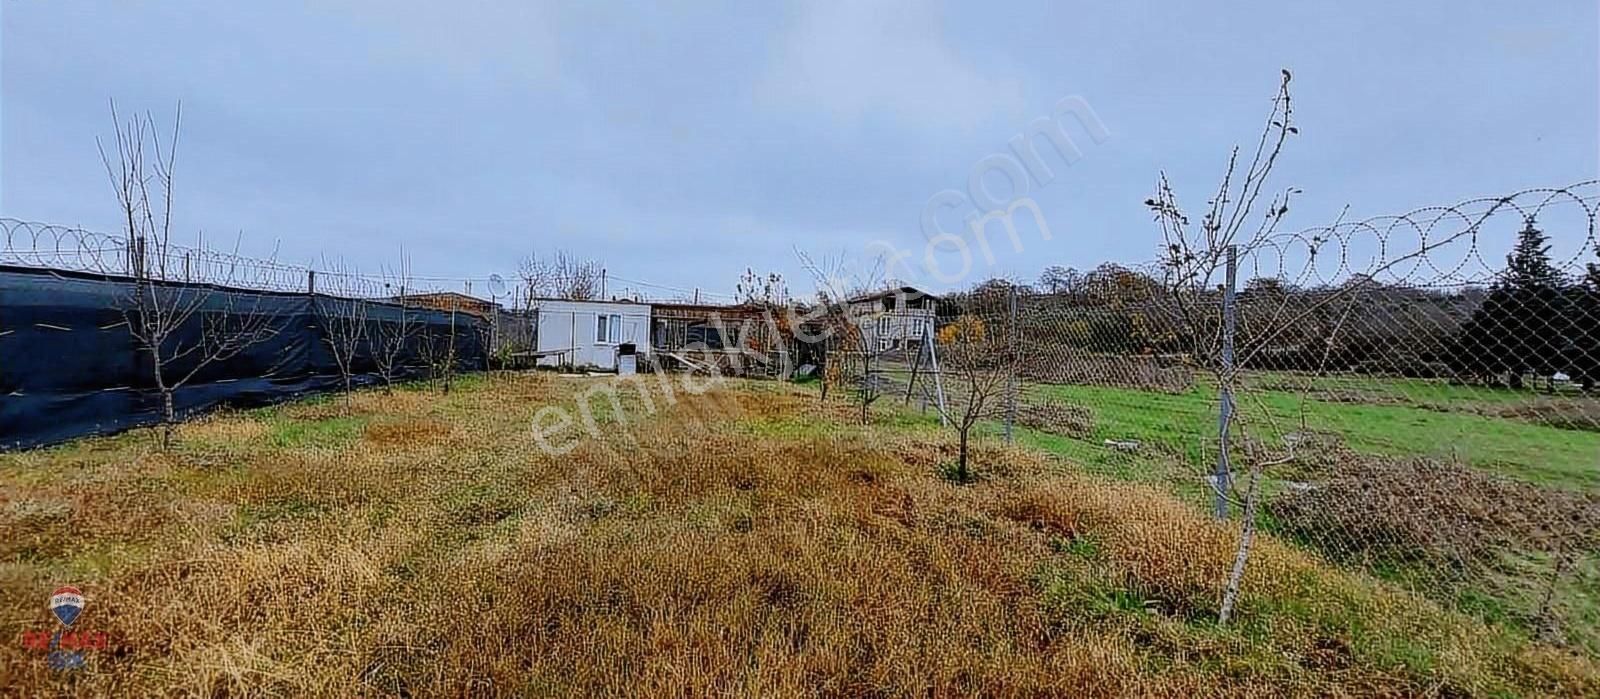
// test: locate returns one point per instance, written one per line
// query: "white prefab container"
(586, 333)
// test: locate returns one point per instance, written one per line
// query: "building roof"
(906, 291)
(546, 299)
(458, 296)
(708, 307)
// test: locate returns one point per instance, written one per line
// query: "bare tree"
(183, 327)
(432, 350)
(438, 351)
(388, 341)
(562, 276)
(537, 280)
(771, 293)
(343, 316)
(766, 290)
(980, 356)
(850, 352)
(1056, 279)
(1194, 256)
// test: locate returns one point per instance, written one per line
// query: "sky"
(682, 142)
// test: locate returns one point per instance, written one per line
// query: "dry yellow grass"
(747, 542)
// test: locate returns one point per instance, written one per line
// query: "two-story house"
(897, 318)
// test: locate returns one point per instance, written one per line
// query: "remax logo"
(66, 603)
(64, 648)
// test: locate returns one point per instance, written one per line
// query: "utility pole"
(494, 331)
(1225, 389)
(603, 296)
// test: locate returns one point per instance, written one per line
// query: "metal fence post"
(1225, 387)
(1011, 382)
(938, 378)
(138, 261)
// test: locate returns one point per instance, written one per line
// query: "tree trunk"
(1247, 537)
(168, 413)
(961, 458)
(169, 419)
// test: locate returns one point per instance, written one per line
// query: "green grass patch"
(791, 427)
(254, 521)
(1186, 425)
(331, 432)
(481, 504)
(1075, 590)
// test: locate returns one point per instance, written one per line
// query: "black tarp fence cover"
(69, 367)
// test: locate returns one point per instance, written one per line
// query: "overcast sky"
(682, 145)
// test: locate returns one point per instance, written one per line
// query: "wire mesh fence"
(1399, 396)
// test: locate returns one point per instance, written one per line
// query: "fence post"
(1011, 382)
(1225, 387)
(938, 378)
(916, 364)
(138, 258)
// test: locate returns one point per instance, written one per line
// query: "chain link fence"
(1412, 397)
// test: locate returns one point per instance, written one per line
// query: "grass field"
(752, 541)
(1446, 428)
(1389, 419)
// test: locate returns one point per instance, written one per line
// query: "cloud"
(889, 58)
(517, 43)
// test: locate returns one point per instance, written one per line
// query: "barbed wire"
(75, 249)
(1434, 245)
(1412, 401)
(680, 290)
(1398, 395)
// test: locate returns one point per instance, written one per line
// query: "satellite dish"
(497, 285)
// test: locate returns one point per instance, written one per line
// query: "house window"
(608, 328)
(883, 326)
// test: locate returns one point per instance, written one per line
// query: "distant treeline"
(1532, 321)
